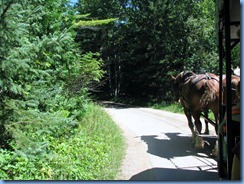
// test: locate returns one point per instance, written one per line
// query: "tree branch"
(6, 9)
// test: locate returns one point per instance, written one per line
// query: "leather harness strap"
(205, 77)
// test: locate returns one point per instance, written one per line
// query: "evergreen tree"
(152, 40)
(39, 57)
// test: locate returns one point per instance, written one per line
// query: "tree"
(39, 57)
(152, 40)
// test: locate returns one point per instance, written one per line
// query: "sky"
(73, 1)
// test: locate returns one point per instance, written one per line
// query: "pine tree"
(39, 58)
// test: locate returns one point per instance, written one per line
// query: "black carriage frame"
(226, 27)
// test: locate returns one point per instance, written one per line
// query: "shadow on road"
(172, 154)
(165, 174)
(177, 145)
(174, 145)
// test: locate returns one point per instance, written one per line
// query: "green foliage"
(172, 107)
(46, 115)
(39, 55)
(175, 107)
(151, 41)
(236, 56)
(102, 9)
(86, 73)
(202, 39)
(84, 23)
(55, 146)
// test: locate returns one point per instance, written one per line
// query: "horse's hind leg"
(206, 122)
(189, 119)
(199, 143)
(196, 139)
(216, 116)
(198, 122)
(190, 123)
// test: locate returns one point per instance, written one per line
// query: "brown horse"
(235, 95)
(197, 94)
(234, 83)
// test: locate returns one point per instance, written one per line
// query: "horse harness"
(197, 80)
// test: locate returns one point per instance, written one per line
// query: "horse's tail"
(210, 93)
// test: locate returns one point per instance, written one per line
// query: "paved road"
(159, 146)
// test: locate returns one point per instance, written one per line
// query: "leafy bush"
(44, 104)
(54, 146)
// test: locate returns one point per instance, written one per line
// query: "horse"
(235, 102)
(197, 93)
(234, 84)
(235, 98)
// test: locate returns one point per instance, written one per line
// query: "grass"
(156, 104)
(107, 140)
(61, 148)
(174, 107)
(78, 143)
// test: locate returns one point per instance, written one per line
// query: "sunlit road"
(168, 148)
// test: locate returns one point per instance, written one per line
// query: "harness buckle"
(207, 76)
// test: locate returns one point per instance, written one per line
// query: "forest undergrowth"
(69, 144)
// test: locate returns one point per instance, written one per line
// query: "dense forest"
(149, 42)
(49, 127)
(55, 57)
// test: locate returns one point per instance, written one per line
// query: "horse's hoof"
(199, 144)
(215, 150)
(214, 153)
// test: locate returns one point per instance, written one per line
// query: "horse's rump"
(211, 92)
(200, 90)
(234, 85)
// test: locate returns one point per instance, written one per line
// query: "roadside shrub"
(54, 146)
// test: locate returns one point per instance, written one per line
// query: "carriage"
(192, 90)
(228, 28)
